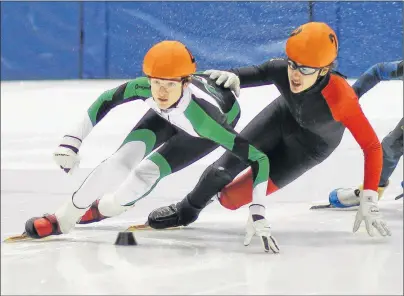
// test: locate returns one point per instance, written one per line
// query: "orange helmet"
(312, 44)
(169, 59)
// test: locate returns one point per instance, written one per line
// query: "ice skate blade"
(17, 238)
(318, 207)
(138, 227)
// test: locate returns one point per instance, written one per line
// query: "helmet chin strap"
(320, 77)
(318, 80)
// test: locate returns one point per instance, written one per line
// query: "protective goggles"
(302, 69)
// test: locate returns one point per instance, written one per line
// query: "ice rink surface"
(319, 253)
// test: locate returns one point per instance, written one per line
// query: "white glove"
(232, 80)
(369, 211)
(66, 155)
(259, 226)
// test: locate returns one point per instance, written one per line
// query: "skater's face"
(301, 77)
(167, 92)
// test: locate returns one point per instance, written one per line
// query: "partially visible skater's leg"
(108, 175)
(392, 146)
(147, 135)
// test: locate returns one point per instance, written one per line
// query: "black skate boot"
(180, 214)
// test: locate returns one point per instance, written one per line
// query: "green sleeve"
(229, 139)
(137, 89)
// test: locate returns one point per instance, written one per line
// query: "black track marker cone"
(125, 239)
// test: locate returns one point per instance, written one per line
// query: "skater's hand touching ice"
(369, 211)
(259, 226)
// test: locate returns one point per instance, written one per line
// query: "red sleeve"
(344, 106)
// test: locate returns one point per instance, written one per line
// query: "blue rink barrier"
(73, 40)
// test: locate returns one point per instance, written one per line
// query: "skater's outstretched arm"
(137, 89)
(267, 73)
(391, 144)
(345, 108)
(66, 154)
(375, 74)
